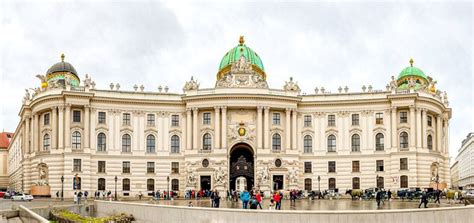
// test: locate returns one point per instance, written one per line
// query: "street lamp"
(62, 188)
(116, 187)
(168, 191)
(319, 187)
(437, 181)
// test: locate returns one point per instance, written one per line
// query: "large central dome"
(234, 55)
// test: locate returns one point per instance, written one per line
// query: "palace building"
(239, 134)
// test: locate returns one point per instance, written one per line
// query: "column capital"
(54, 107)
(217, 108)
(393, 108)
(60, 107)
(93, 109)
(224, 108)
(288, 109)
(266, 108)
(67, 105)
(411, 107)
(259, 108)
(87, 106)
(195, 109)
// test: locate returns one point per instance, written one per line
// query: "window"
(150, 119)
(76, 165)
(355, 143)
(101, 118)
(403, 181)
(76, 183)
(308, 144)
(331, 120)
(307, 167)
(429, 121)
(101, 142)
(76, 140)
(150, 144)
(101, 166)
(403, 117)
(379, 118)
(126, 119)
(150, 167)
(126, 184)
(174, 167)
(332, 183)
(379, 142)
(150, 185)
(46, 119)
(174, 120)
(379, 165)
(332, 166)
(76, 116)
(380, 182)
(403, 140)
(174, 144)
(276, 119)
(403, 163)
(355, 119)
(355, 183)
(308, 184)
(356, 166)
(430, 142)
(175, 184)
(206, 141)
(46, 142)
(101, 184)
(206, 119)
(276, 142)
(126, 143)
(307, 120)
(331, 143)
(126, 167)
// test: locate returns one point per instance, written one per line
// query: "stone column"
(61, 127)
(446, 138)
(224, 127)
(288, 129)
(266, 128)
(217, 124)
(93, 121)
(394, 123)
(189, 125)
(87, 126)
(67, 127)
(293, 130)
(35, 130)
(424, 125)
(195, 127)
(259, 127)
(418, 128)
(438, 133)
(27, 135)
(412, 126)
(53, 124)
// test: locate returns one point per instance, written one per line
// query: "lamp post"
(115, 187)
(62, 188)
(168, 191)
(437, 181)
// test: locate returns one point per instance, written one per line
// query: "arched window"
(379, 142)
(380, 182)
(174, 144)
(126, 184)
(355, 143)
(175, 185)
(430, 142)
(206, 141)
(101, 184)
(76, 140)
(332, 183)
(150, 185)
(46, 142)
(355, 183)
(76, 183)
(403, 140)
(308, 144)
(403, 181)
(308, 184)
(276, 142)
(126, 143)
(101, 142)
(331, 143)
(150, 144)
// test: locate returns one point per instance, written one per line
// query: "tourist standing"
(212, 198)
(258, 197)
(253, 203)
(423, 200)
(75, 198)
(437, 194)
(378, 197)
(277, 200)
(389, 195)
(245, 197)
(79, 196)
(217, 199)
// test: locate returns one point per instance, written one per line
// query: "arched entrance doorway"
(241, 170)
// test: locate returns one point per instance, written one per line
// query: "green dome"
(412, 71)
(234, 55)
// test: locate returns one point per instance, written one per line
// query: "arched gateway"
(241, 169)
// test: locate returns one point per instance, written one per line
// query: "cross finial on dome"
(241, 40)
(62, 57)
(411, 62)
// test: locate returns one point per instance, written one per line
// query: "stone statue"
(241, 66)
(393, 83)
(291, 86)
(293, 175)
(220, 176)
(264, 175)
(191, 178)
(191, 85)
(434, 172)
(87, 81)
(27, 96)
(411, 83)
(43, 175)
(431, 84)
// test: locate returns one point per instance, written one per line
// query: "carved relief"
(241, 75)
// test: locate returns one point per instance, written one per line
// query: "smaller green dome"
(412, 71)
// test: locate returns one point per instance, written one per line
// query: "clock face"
(241, 131)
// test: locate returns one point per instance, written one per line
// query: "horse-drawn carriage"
(409, 193)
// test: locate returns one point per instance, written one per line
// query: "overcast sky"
(319, 44)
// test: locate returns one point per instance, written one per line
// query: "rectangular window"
(403, 117)
(276, 119)
(101, 118)
(46, 119)
(379, 165)
(101, 166)
(403, 163)
(332, 166)
(379, 118)
(356, 166)
(77, 165)
(429, 121)
(331, 120)
(307, 120)
(174, 120)
(126, 119)
(150, 167)
(126, 167)
(76, 116)
(355, 119)
(174, 167)
(150, 119)
(307, 167)
(206, 118)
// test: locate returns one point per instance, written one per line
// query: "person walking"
(86, 194)
(245, 197)
(377, 197)
(437, 194)
(213, 194)
(389, 195)
(277, 200)
(423, 200)
(79, 196)
(217, 199)
(258, 197)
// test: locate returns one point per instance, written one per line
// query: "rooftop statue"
(191, 85)
(291, 86)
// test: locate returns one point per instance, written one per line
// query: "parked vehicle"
(22, 197)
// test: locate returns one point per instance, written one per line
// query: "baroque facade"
(463, 168)
(239, 134)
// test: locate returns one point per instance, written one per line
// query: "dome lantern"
(61, 72)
